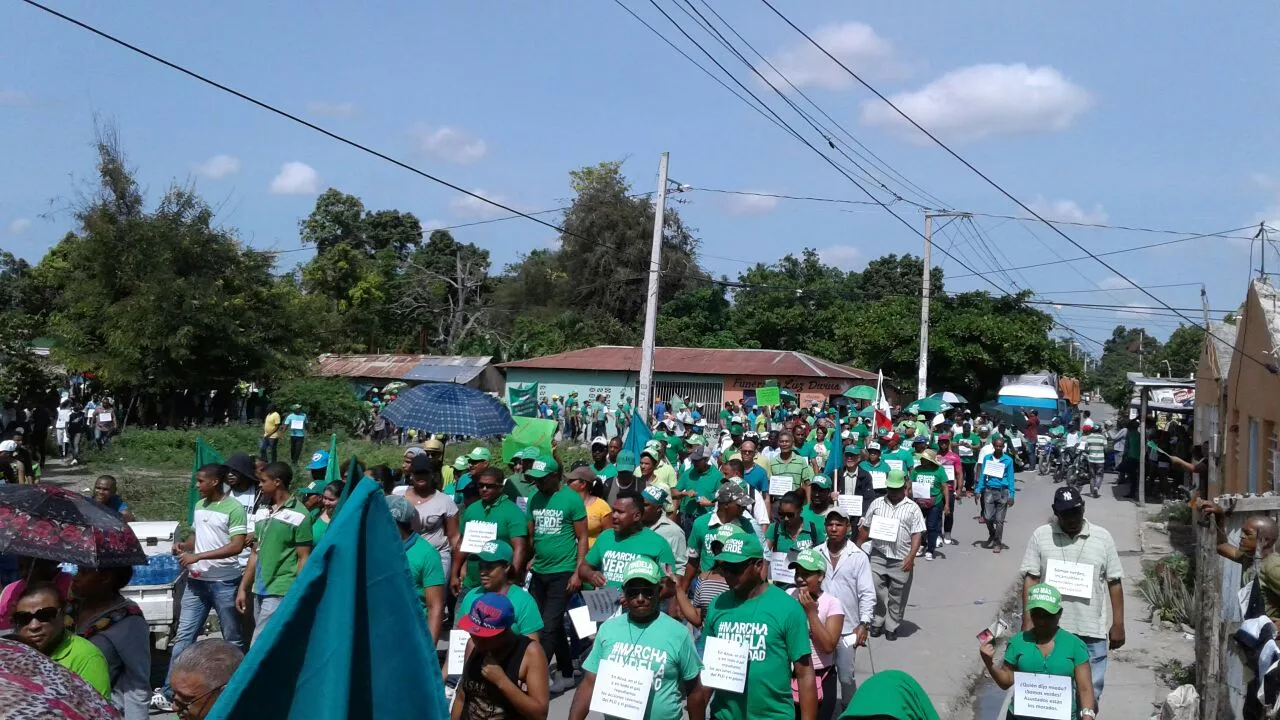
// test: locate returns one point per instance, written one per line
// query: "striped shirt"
(1095, 447)
(797, 468)
(910, 521)
(1092, 546)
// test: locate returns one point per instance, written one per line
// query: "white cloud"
(1263, 181)
(218, 167)
(12, 98)
(855, 44)
(1067, 211)
(296, 178)
(984, 100)
(472, 208)
(321, 107)
(845, 257)
(751, 204)
(19, 226)
(449, 144)
(1115, 282)
(433, 224)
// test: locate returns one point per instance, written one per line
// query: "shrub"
(1168, 587)
(329, 403)
(1175, 513)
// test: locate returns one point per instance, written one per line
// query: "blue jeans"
(933, 526)
(1097, 663)
(198, 599)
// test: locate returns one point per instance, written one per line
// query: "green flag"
(528, 432)
(333, 471)
(205, 455)
(523, 399)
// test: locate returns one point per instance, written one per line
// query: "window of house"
(1254, 455)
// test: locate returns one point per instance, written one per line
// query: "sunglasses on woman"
(44, 615)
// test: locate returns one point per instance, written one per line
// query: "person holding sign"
(643, 664)
(493, 517)
(898, 457)
(505, 674)
(757, 640)
(951, 466)
(894, 525)
(931, 492)
(968, 443)
(996, 486)
(820, 501)
(826, 624)
(627, 540)
(789, 464)
(1080, 561)
(854, 480)
(1037, 658)
(296, 423)
(849, 580)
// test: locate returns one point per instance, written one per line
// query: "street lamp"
(1170, 367)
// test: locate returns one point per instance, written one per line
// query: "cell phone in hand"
(985, 637)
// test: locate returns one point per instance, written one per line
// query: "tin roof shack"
(1251, 442)
(377, 370)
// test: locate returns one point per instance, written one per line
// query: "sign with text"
(884, 528)
(1042, 696)
(851, 504)
(476, 534)
(781, 484)
(1070, 578)
(621, 691)
(768, 396)
(724, 665)
(879, 480)
(780, 570)
(582, 623)
(457, 650)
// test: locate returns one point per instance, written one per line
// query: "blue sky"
(1143, 114)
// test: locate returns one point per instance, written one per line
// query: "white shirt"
(247, 498)
(849, 579)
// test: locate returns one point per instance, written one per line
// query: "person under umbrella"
(31, 571)
(116, 627)
(38, 621)
(33, 686)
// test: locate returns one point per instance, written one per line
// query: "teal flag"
(205, 455)
(350, 639)
(333, 471)
(523, 398)
(835, 450)
(637, 435)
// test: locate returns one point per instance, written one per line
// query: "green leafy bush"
(1175, 513)
(329, 403)
(1168, 587)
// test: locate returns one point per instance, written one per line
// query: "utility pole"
(1142, 339)
(645, 400)
(926, 285)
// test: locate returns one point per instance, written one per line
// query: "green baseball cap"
(1045, 597)
(542, 466)
(697, 440)
(495, 551)
(740, 547)
(810, 560)
(528, 453)
(724, 532)
(655, 495)
(626, 462)
(315, 488)
(461, 464)
(895, 479)
(642, 568)
(821, 481)
(479, 453)
(735, 428)
(852, 449)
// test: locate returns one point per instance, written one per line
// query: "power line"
(1075, 292)
(1271, 367)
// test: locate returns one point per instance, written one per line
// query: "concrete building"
(370, 371)
(708, 376)
(1251, 444)
(1211, 390)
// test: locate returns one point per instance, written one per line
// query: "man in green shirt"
(494, 516)
(732, 501)
(645, 640)
(426, 570)
(282, 534)
(600, 459)
(968, 444)
(897, 456)
(774, 630)
(558, 526)
(624, 542)
(819, 505)
(493, 564)
(697, 487)
(790, 464)
(929, 476)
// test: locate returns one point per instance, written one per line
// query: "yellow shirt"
(271, 426)
(597, 511)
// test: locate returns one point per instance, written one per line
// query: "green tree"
(897, 275)
(447, 293)
(697, 318)
(1182, 351)
(1127, 350)
(797, 304)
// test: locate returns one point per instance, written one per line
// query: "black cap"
(1067, 498)
(421, 463)
(241, 465)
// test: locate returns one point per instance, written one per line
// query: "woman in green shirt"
(328, 506)
(1045, 649)
(939, 501)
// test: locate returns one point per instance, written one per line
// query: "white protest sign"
(296, 424)
(477, 534)
(878, 479)
(851, 505)
(884, 528)
(622, 691)
(781, 485)
(950, 470)
(921, 490)
(779, 570)
(1042, 696)
(104, 417)
(965, 451)
(457, 650)
(1017, 442)
(993, 468)
(582, 622)
(1072, 579)
(522, 503)
(724, 665)
(893, 463)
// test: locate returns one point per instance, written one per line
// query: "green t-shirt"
(610, 555)
(279, 535)
(662, 646)
(705, 484)
(506, 515)
(607, 472)
(774, 627)
(425, 568)
(797, 468)
(84, 659)
(936, 476)
(1068, 653)
(975, 443)
(902, 455)
(819, 519)
(555, 546)
(528, 616)
(811, 534)
(318, 528)
(702, 532)
(215, 523)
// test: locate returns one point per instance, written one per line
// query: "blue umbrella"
(451, 410)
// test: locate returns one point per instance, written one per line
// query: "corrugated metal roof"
(1224, 344)
(696, 361)
(419, 368)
